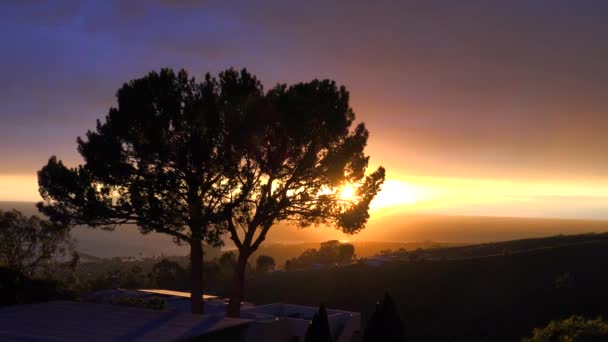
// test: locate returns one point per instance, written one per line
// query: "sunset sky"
(474, 107)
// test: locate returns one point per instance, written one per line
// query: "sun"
(347, 192)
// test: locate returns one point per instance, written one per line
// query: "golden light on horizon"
(19, 188)
(394, 193)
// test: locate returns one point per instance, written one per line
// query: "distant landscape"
(487, 292)
(385, 232)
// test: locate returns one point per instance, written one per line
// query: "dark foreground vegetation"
(488, 292)
(495, 298)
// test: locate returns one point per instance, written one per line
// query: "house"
(288, 322)
(81, 321)
(99, 320)
(378, 261)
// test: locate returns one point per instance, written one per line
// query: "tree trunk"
(238, 286)
(196, 276)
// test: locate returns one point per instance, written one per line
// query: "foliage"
(158, 160)
(415, 256)
(331, 252)
(574, 328)
(264, 263)
(189, 159)
(168, 274)
(152, 303)
(385, 323)
(227, 261)
(293, 148)
(565, 281)
(319, 330)
(16, 288)
(29, 244)
(488, 298)
(153, 162)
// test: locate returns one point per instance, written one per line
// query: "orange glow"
(19, 188)
(394, 193)
(347, 192)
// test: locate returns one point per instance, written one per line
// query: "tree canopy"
(158, 161)
(330, 253)
(196, 159)
(574, 328)
(31, 244)
(264, 263)
(319, 329)
(385, 324)
(294, 149)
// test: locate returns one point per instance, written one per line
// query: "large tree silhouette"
(194, 160)
(293, 150)
(158, 161)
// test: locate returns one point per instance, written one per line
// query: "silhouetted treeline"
(330, 253)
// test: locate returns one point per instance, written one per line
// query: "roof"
(80, 321)
(174, 293)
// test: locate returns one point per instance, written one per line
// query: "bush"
(16, 288)
(574, 328)
(565, 281)
(385, 323)
(153, 303)
(318, 330)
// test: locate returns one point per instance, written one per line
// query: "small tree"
(330, 252)
(264, 263)
(159, 161)
(167, 274)
(30, 244)
(346, 253)
(575, 328)
(227, 262)
(385, 323)
(319, 330)
(294, 149)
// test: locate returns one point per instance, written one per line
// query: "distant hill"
(475, 293)
(401, 228)
(363, 249)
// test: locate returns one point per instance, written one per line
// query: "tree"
(385, 323)
(319, 330)
(331, 252)
(227, 263)
(30, 244)
(264, 263)
(168, 274)
(346, 253)
(293, 150)
(574, 328)
(157, 161)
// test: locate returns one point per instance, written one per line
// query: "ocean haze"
(125, 241)
(396, 228)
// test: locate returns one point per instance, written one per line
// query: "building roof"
(174, 293)
(80, 321)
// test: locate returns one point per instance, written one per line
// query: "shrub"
(385, 323)
(318, 330)
(152, 303)
(574, 328)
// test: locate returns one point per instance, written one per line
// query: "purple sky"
(511, 91)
